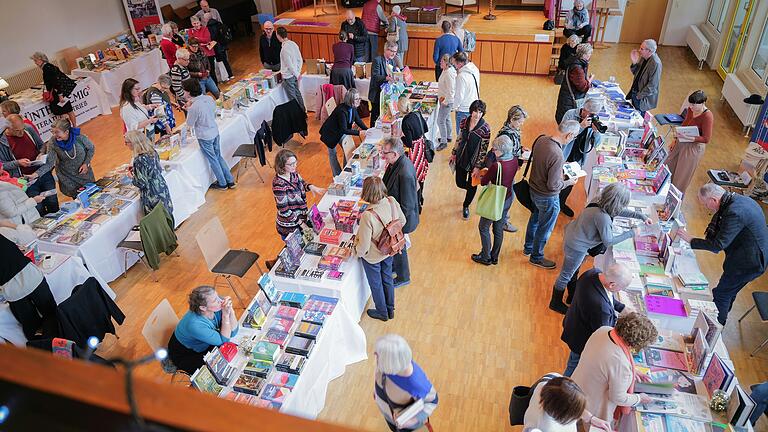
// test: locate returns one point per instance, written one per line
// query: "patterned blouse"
(291, 200)
(148, 177)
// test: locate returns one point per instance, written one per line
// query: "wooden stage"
(513, 43)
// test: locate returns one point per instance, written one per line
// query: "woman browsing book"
(557, 405)
(71, 153)
(147, 173)
(403, 393)
(606, 371)
(377, 265)
(686, 151)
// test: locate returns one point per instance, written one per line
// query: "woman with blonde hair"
(147, 173)
(400, 382)
(377, 265)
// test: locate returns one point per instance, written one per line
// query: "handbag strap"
(568, 82)
(528, 164)
(477, 87)
(498, 173)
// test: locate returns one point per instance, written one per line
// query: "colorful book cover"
(268, 287)
(204, 381)
(308, 330)
(678, 380)
(266, 351)
(257, 368)
(666, 359)
(244, 398)
(680, 424)
(284, 379)
(716, 376)
(291, 363)
(248, 384)
(287, 312)
(293, 299)
(282, 324)
(669, 340)
(314, 317)
(317, 303)
(274, 393)
(665, 305)
(314, 248)
(276, 336)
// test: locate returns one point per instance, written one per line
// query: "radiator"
(734, 93)
(698, 44)
(24, 79)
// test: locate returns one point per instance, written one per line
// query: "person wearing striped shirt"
(290, 191)
(179, 73)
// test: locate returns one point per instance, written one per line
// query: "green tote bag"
(490, 205)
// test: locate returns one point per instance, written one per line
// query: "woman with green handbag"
(496, 199)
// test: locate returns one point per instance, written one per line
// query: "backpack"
(470, 41)
(226, 33)
(146, 98)
(391, 240)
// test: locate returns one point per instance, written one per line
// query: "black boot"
(556, 302)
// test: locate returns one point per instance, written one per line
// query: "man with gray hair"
(737, 227)
(593, 307)
(546, 182)
(646, 67)
(589, 136)
(381, 72)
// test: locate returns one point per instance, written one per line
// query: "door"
(635, 30)
(735, 36)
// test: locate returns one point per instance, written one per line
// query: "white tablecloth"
(310, 88)
(262, 109)
(144, 68)
(61, 280)
(88, 101)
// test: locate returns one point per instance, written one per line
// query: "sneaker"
(566, 210)
(508, 227)
(231, 185)
(391, 314)
(544, 263)
(465, 213)
(373, 313)
(442, 147)
(494, 261)
(556, 302)
(480, 260)
(218, 186)
(402, 283)
(526, 253)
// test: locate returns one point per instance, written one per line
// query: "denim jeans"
(334, 160)
(207, 84)
(212, 152)
(459, 116)
(540, 225)
(401, 267)
(444, 122)
(573, 361)
(572, 259)
(379, 277)
(44, 183)
(488, 252)
(727, 289)
(760, 395)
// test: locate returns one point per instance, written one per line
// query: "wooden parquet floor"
(477, 331)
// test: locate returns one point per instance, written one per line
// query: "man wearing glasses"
(269, 48)
(646, 67)
(381, 72)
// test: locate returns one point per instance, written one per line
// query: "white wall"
(681, 14)
(49, 26)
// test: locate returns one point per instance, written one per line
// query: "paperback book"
(717, 376)
(293, 299)
(666, 381)
(662, 358)
(244, 398)
(291, 363)
(257, 368)
(284, 379)
(300, 346)
(313, 317)
(308, 330)
(740, 407)
(287, 312)
(248, 384)
(268, 287)
(220, 368)
(282, 324)
(266, 351)
(274, 393)
(204, 381)
(317, 303)
(686, 405)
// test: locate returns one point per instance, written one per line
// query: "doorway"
(649, 17)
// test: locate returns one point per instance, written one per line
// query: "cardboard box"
(367, 73)
(316, 67)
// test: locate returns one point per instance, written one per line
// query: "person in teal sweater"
(210, 322)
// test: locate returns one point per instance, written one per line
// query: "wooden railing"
(41, 392)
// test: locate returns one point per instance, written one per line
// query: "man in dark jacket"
(356, 35)
(381, 72)
(593, 307)
(400, 179)
(269, 48)
(738, 228)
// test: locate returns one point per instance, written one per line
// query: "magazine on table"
(686, 405)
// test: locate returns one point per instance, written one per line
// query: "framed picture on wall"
(143, 14)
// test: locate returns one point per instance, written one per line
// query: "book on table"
(293, 299)
(682, 424)
(268, 287)
(666, 381)
(666, 359)
(694, 307)
(665, 305)
(308, 330)
(300, 345)
(696, 353)
(313, 317)
(282, 324)
(287, 312)
(669, 340)
(244, 398)
(284, 379)
(740, 407)
(318, 303)
(249, 384)
(692, 406)
(257, 368)
(266, 351)
(204, 381)
(709, 327)
(276, 336)
(221, 369)
(291, 363)
(717, 375)
(274, 393)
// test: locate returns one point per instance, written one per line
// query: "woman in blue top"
(209, 323)
(400, 382)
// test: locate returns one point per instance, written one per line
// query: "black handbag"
(429, 150)
(523, 188)
(559, 76)
(521, 399)
(549, 25)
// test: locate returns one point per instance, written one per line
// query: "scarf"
(70, 142)
(6, 177)
(623, 410)
(717, 218)
(579, 16)
(514, 136)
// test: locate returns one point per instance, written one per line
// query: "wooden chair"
(157, 332)
(322, 4)
(462, 4)
(761, 303)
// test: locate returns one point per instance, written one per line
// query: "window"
(717, 12)
(760, 62)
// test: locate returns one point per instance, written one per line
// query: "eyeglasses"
(389, 152)
(291, 163)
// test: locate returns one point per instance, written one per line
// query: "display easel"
(605, 9)
(322, 4)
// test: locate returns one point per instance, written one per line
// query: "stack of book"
(291, 363)
(274, 395)
(694, 280)
(659, 285)
(284, 379)
(247, 384)
(317, 303)
(293, 299)
(330, 236)
(221, 369)
(300, 345)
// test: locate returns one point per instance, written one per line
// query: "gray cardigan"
(593, 226)
(648, 83)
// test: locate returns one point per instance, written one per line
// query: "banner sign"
(141, 14)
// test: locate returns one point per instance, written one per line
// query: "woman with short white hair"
(58, 88)
(400, 382)
(577, 21)
(167, 46)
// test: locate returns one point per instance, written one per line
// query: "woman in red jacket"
(200, 32)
